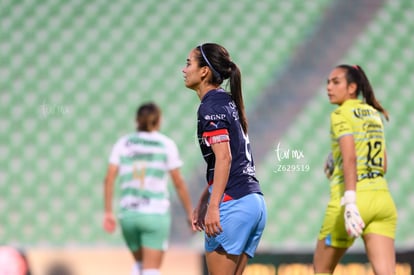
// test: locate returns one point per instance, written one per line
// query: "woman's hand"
(109, 222)
(212, 221)
(199, 214)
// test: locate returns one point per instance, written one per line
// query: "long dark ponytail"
(355, 74)
(218, 59)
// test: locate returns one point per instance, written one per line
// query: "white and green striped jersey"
(144, 160)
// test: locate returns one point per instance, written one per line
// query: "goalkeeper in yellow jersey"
(360, 202)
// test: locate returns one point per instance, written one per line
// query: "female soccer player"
(360, 203)
(231, 210)
(144, 160)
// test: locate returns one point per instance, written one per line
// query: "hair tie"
(208, 63)
(356, 67)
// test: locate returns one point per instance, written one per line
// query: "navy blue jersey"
(218, 114)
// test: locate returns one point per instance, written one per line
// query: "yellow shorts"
(377, 209)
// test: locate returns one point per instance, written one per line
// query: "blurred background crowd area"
(73, 73)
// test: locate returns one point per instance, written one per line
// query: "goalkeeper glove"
(354, 224)
(329, 166)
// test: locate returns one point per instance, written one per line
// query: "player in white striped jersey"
(144, 161)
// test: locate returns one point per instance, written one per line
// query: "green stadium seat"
(385, 57)
(76, 71)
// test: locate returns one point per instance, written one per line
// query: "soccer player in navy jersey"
(231, 209)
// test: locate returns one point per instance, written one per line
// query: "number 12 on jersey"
(374, 154)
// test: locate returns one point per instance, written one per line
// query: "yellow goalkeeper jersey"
(363, 122)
